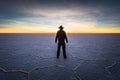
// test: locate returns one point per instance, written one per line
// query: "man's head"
(61, 27)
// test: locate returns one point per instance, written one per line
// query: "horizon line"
(55, 33)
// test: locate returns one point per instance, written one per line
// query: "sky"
(45, 16)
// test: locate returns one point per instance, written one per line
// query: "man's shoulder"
(58, 31)
(61, 31)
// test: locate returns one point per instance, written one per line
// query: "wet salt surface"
(33, 57)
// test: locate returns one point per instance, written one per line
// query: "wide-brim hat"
(61, 27)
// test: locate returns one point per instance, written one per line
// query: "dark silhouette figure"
(61, 37)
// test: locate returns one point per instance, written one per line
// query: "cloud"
(73, 13)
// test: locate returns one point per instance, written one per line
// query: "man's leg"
(64, 50)
(58, 50)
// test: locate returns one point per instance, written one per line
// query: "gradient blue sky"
(47, 15)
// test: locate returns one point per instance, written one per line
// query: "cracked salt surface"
(82, 71)
(95, 57)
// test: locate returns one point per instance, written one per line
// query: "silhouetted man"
(61, 37)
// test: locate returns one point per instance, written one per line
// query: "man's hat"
(61, 27)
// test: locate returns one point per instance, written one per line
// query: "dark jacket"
(61, 36)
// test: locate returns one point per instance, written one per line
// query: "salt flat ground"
(33, 57)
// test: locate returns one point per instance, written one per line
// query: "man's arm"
(66, 38)
(56, 37)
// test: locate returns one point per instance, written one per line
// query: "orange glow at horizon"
(24, 30)
(47, 30)
(96, 30)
